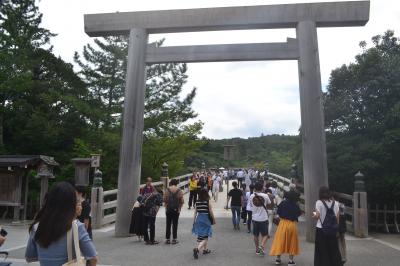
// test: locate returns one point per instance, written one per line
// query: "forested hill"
(280, 151)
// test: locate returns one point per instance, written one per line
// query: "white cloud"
(234, 99)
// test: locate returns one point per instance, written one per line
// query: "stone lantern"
(359, 185)
(98, 178)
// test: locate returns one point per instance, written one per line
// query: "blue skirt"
(202, 227)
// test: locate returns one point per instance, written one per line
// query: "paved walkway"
(229, 247)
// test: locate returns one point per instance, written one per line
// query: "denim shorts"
(260, 228)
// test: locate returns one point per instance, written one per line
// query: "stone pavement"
(228, 247)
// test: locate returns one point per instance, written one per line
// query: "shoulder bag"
(79, 260)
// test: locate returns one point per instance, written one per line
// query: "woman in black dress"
(137, 220)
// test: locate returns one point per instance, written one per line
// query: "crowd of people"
(63, 223)
(254, 201)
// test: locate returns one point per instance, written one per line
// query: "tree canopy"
(362, 116)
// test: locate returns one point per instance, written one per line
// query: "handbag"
(276, 220)
(79, 260)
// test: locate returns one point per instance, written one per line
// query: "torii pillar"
(305, 18)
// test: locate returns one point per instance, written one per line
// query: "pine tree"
(104, 70)
(43, 103)
(167, 136)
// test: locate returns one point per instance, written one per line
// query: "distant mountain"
(279, 151)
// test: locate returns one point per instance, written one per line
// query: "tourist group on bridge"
(254, 200)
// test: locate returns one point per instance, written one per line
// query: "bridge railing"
(386, 219)
(356, 218)
(104, 203)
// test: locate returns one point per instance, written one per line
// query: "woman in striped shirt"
(202, 224)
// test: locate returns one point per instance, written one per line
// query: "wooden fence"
(347, 199)
(104, 203)
(384, 218)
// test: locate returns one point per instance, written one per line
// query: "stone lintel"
(223, 52)
(329, 14)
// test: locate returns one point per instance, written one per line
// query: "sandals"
(195, 253)
(206, 251)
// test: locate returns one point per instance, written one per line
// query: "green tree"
(362, 115)
(44, 105)
(104, 70)
(20, 37)
(103, 67)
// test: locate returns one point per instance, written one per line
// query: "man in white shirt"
(240, 176)
(258, 203)
(216, 183)
(225, 175)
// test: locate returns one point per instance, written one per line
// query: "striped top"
(202, 206)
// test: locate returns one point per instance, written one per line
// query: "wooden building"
(14, 183)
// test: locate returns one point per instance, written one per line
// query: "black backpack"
(173, 200)
(330, 225)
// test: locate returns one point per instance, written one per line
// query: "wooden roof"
(25, 160)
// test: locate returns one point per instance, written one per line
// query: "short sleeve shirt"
(259, 214)
(319, 206)
(152, 204)
(56, 253)
(236, 195)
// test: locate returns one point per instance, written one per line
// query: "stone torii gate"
(304, 17)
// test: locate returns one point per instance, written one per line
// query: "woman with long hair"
(286, 239)
(47, 241)
(202, 224)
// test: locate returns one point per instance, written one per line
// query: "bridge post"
(132, 135)
(360, 207)
(97, 200)
(164, 176)
(312, 120)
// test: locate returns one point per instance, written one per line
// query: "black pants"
(244, 214)
(240, 181)
(172, 219)
(249, 219)
(192, 198)
(149, 224)
(326, 250)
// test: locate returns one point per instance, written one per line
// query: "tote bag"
(74, 243)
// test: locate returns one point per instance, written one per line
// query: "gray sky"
(238, 99)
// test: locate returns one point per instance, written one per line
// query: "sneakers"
(278, 262)
(261, 251)
(291, 263)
